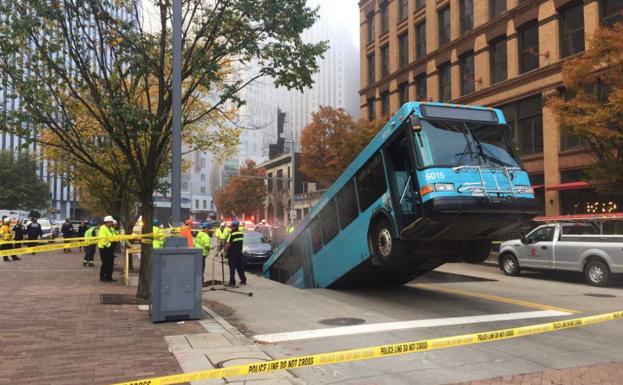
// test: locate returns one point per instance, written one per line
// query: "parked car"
(255, 249)
(565, 246)
(48, 228)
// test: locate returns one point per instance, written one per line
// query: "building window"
(420, 88)
(203, 177)
(403, 50)
(611, 12)
(466, 67)
(528, 47)
(444, 26)
(572, 29)
(385, 103)
(466, 9)
(196, 203)
(403, 9)
(497, 53)
(371, 29)
(205, 204)
(403, 92)
(526, 119)
(203, 190)
(269, 182)
(384, 18)
(371, 69)
(420, 4)
(570, 141)
(445, 84)
(371, 114)
(279, 180)
(496, 8)
(385, 61)
(420, 40)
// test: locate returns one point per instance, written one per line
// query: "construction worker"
(6, 236)
(106, 249)
(158, 235)
(186, 232)
(233, 248)
(91, 232)
(204, 242)
(221, 235)
(290, 228)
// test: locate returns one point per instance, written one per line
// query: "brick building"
(500, 53)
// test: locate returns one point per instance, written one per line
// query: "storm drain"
(342, 321)
(599, 295)
(121, 299)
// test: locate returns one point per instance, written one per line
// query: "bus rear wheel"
(477, 251)
(385, 247)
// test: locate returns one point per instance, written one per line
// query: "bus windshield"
(455, 143)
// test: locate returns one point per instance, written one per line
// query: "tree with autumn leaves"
(331, 141)
(591, 106)
(245, 193)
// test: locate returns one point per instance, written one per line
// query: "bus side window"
(347, 204)
(328, 220)
(371, 182)
(315, 236)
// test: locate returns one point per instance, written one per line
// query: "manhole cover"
(342, 321)
(600, 295)
(238, 361)
(121, 299)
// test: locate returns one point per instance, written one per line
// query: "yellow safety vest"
(104, 231)
(203, 242)
(158, 241)
(5, 233)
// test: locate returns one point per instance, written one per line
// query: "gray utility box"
(176, 284)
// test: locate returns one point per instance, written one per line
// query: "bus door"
(401, 174)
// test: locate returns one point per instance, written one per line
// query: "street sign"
(292, 214)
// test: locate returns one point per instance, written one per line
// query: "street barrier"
(376, 351)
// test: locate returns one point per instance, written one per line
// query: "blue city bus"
(437, 184)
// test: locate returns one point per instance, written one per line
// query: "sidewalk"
(53, 330)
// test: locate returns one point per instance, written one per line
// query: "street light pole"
(176, 85)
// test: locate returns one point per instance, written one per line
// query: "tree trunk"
(144, 277)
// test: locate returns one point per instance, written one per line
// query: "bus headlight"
(524, 190)
(444, 187)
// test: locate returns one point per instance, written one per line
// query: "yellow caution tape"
(375, 351)
(68, 245)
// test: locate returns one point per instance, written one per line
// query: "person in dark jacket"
(34, 231)
(68, 231)
(18, 235)
(81, 230)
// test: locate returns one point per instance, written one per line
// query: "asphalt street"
(455, 299)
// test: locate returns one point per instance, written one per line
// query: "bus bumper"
(467, 218)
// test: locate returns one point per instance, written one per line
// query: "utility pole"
(176, 85)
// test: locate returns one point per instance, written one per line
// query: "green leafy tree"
(245, 193)
(90, 82)
(591, 107)
(20, 187)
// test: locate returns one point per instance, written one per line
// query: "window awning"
(568, 186)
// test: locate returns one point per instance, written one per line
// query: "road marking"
(496, 298)
(401, 325)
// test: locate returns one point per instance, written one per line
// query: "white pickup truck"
(565, 246)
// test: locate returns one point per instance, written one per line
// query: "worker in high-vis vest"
(233, 250)
(186, 232)
(203, 241)
(158, 235)
(6, 236)
(105, 246)
(221, 235)
(89, 253)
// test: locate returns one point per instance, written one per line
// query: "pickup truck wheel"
(509, 264)
(597, 272)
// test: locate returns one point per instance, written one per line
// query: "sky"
(346, 11)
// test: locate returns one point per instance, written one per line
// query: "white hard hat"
(114, 221)
(7, 220)
(108, 218)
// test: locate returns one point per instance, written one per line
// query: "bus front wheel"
(477, 251)
(385, 246)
